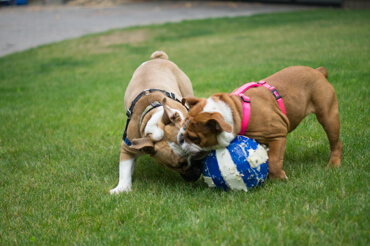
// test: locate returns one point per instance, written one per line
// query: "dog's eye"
(194, 139)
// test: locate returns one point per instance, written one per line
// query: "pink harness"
(246, 101)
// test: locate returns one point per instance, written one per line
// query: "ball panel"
(210, 166)
(206, 175)
(242, 148)
(229, 170)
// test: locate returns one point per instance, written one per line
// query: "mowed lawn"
(62, 118)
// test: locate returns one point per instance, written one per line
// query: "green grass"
(62, 116)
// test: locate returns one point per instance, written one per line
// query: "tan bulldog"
(154, 110)
(214, 122)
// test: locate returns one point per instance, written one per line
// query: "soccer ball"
(240, 166)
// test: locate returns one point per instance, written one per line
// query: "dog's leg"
(126, 170)
(326, 109)
(329, 119)
(276, 157)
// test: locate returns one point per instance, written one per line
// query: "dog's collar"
(145, 92)
(246, 101)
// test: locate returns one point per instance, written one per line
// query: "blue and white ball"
(240, 166)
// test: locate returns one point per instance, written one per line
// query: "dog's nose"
(181, 139)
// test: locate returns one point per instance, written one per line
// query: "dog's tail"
(159, 55)
(323, 71)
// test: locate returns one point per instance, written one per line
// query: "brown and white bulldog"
(214, 122)
(153, 102)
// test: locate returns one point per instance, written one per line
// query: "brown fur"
(158, 73)
(304, 90)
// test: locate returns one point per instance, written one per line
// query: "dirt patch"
(124, 37)
(107, 43)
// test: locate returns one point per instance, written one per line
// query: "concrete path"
(22, 28)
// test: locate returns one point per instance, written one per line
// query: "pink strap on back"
(246, 101)
(279, 99)
(244, 88)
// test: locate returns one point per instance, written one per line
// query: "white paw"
(120, 189)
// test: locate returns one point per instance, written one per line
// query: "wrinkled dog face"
(165, 155)
(196, 135)
(160, 142)
(202, 130)
(189, 169)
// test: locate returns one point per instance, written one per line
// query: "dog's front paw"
(120, 189)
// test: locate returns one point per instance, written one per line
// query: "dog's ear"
(144, 144)
(170, 115)
(218, 124)
(192, 101)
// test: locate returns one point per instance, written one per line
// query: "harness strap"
(278, 98)
(145, 92)
(246, 101)
(246, 113)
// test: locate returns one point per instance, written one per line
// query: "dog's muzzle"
(193, 173)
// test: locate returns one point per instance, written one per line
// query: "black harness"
(153, 105)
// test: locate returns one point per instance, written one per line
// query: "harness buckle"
(276, 94)
(261, 82)
(245, 99)
(128, 114)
